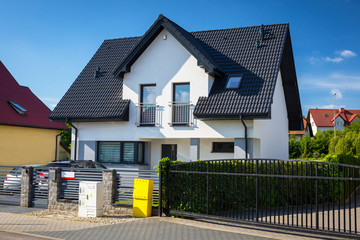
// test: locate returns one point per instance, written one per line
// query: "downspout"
(76, 136)
(56, 146)
(246, 138)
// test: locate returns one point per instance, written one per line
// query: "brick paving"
(149, 228)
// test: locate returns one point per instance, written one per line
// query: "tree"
(65, 136)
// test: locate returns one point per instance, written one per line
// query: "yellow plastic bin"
(143, 192)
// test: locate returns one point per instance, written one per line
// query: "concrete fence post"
(109, 181)
(54, 187)
(26, 187)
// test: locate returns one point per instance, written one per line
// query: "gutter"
(76, 136)
(246, 137)
(56, 146)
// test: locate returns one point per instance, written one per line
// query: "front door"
(169, 150)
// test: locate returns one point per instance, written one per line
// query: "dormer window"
(19, 109)
(233, 82)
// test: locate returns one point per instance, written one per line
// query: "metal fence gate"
(40, 187)
(70, 185)
(306, 195)
(10, 185)
(125, 185)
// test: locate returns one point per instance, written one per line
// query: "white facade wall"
(164, 63)
(339, 123)
(273, 133)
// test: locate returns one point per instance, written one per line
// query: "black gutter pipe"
(56, 146)
(246, 137)
(76, 136)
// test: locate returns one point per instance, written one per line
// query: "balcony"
(146, 115)
(181, 113)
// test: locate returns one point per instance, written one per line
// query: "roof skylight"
(233, 82)
(19, 109)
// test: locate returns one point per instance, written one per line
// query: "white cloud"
(50, 102)
(337, 92)
(52, 106)
(347, 53)
(340, 56)
(335, 60)
(329, 106)
(336, 81)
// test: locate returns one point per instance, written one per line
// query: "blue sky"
(45, 44)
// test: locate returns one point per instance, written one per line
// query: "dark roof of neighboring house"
(300, 132)
(325, 117)
(36, 115)
(220, 52)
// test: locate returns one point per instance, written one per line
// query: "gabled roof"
(221, 52)
(37, 114)
(325, 117)
(184, 37)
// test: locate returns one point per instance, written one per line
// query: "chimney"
(341, 109)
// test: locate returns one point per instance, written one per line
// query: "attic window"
(326, 115)
(19, 109)
(233, 82)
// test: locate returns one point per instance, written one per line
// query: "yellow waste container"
(143, 191)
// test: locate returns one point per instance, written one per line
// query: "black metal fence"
(70, 182)
(299, 194)
(10, 185)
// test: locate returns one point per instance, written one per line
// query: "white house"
(326, 119)
(218, 94)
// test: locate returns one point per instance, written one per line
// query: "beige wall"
(25, 145)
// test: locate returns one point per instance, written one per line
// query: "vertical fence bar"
(349, 200)
(333, 197)
(306, 195)
(339, 203)
(344, 196)
(311, 203)
(355, 208)
(317, 195)
(257, 191)
(207, 187)
(160, 190)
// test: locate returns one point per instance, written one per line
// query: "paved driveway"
(140, 229)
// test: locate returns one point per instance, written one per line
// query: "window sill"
(146, 125)
(220, 152)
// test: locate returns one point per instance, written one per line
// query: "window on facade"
(233, 82)
(223, 147)
(147, 106)
(121, 152)
(181, 104)
(19, 109)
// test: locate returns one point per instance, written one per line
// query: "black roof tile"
(221, 52)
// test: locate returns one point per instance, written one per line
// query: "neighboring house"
(325, 119)
(27, 134)
(217, 94)
(299, 134)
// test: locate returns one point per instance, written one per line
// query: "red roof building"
(28, 135)
(326, 119)
(12, 95)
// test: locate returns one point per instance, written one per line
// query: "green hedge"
(188, 191)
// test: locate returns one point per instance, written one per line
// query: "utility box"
(91, 199)
(143, 192)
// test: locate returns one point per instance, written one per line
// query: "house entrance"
(169, 150)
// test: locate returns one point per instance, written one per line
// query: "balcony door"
(148, 105)
(181, 104)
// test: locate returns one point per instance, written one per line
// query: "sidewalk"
(140, 229)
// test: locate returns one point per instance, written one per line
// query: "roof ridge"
(110, 39)
(222, 29)
(200, 31)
